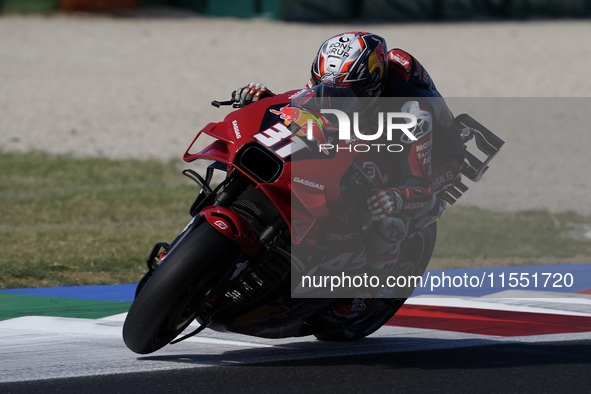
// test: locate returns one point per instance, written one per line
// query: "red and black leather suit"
(433, 161)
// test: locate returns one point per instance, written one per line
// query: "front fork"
(232, 187)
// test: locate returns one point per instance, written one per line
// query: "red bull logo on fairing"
(314, 132)
(287, 113)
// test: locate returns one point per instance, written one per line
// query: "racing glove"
(251, 93)
(385, 203)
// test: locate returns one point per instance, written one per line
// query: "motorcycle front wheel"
(168, 302)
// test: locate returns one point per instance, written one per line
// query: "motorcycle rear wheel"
(167, 303)
(418, 251)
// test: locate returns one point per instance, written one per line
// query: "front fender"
(233, 226)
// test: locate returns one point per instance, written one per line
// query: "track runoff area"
(67, 332)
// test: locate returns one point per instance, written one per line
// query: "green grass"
(470, 235)
(72, 221)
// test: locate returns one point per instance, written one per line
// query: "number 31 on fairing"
(275, 135)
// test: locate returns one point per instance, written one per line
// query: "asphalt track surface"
(509, 341)
(540, 367)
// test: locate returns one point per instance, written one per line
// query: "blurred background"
(329, 10)
(100, 98)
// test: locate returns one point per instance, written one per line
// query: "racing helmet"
(355, 59)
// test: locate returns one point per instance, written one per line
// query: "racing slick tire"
(168, 302)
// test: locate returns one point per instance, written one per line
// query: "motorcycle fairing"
(236, 133)
(220, 150)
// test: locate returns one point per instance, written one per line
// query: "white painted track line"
(35, 348)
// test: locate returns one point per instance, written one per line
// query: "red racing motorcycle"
(232, 268)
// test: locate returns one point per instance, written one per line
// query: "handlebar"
(218, 104)
(231, 102)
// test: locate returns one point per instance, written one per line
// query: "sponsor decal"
(287, 113)
(416, 205)
(447, 177)
(187, 226)
(372, 171)
(308, 183)
(423, 154)
(274, 137)
(220, 224)
(400, 58)
(424, 121)
(236, 130)
(341, 237)
(424, 146)
(340, 48)
(311, 128)
(299, 92)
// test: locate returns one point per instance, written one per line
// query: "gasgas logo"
(220, 224)
(236, 130)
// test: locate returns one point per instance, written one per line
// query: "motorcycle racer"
(407, 200)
